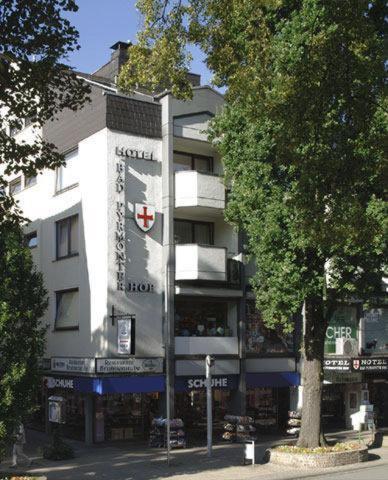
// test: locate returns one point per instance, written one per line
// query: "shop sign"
(129, 365)
(134, 153)
(370, 364)
(337, 364)
(72, 364)
(343, 324)
(196, 383)
(44, 363)
(51, 382)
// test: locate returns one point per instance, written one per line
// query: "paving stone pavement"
(137, 462)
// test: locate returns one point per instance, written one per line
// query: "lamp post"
(209, 364)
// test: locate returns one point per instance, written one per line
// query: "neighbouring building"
(145, 277)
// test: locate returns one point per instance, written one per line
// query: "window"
(67, 237)
(262, 340)
(31, 240)
(67, 175)
(67, 310)
(201, 318)
(189, 161)
(187, 231)
(15, 186)
(29, 181)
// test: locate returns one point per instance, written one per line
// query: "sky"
(101, 23)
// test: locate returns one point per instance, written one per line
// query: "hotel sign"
(134, 153)
(129, 365)
(356, 364)
(370, 364)
(337, 364)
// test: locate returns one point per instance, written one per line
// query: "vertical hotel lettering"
(120, 225)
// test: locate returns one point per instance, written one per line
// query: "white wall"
(143, 250)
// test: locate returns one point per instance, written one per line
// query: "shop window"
(201, 318)
(67, 310)
(67, 237)
(188, 161)
(262, 340)
(376, 330)
(29, 181)
(15, 186)
(187, 231)
(67, 174)
(31, 240)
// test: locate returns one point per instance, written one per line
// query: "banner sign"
(129, 365)
(72, 364)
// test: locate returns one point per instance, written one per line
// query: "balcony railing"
(195, 189)
(197, 262)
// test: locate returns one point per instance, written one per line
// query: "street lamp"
(209, 364)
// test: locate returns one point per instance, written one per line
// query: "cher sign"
(343, 324)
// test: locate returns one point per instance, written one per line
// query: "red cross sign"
(144, 216)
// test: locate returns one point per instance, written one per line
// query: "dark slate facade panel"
(134, 116)
(69, 127)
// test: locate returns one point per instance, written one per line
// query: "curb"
(345, 468)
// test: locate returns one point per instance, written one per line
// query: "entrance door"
(353, 405)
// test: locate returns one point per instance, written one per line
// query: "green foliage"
(35, 38)
(58, 450)
(23, 302)
(302, 139)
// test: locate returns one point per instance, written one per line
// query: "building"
(144, 276)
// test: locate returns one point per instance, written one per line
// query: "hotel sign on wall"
(134, 153)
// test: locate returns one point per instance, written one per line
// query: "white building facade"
(143, 273)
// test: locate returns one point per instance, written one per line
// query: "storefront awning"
(134, 384)
(277, 379)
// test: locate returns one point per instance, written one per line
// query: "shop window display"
(262, 340)
(194, 318)
(191, 407)
(124, 416)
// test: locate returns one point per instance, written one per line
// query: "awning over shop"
(276, 379)
(134, 384)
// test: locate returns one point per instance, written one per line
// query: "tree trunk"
(312, 373)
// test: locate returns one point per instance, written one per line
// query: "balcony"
(197, 262)
(206, 345)
(195, 189)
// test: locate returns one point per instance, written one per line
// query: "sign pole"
(209, 364)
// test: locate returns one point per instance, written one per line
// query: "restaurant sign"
(129, 365)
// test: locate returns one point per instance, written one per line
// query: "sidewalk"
(135, 462)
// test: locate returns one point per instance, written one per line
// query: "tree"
(302, 139)
(23, 301)
(35, 38)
